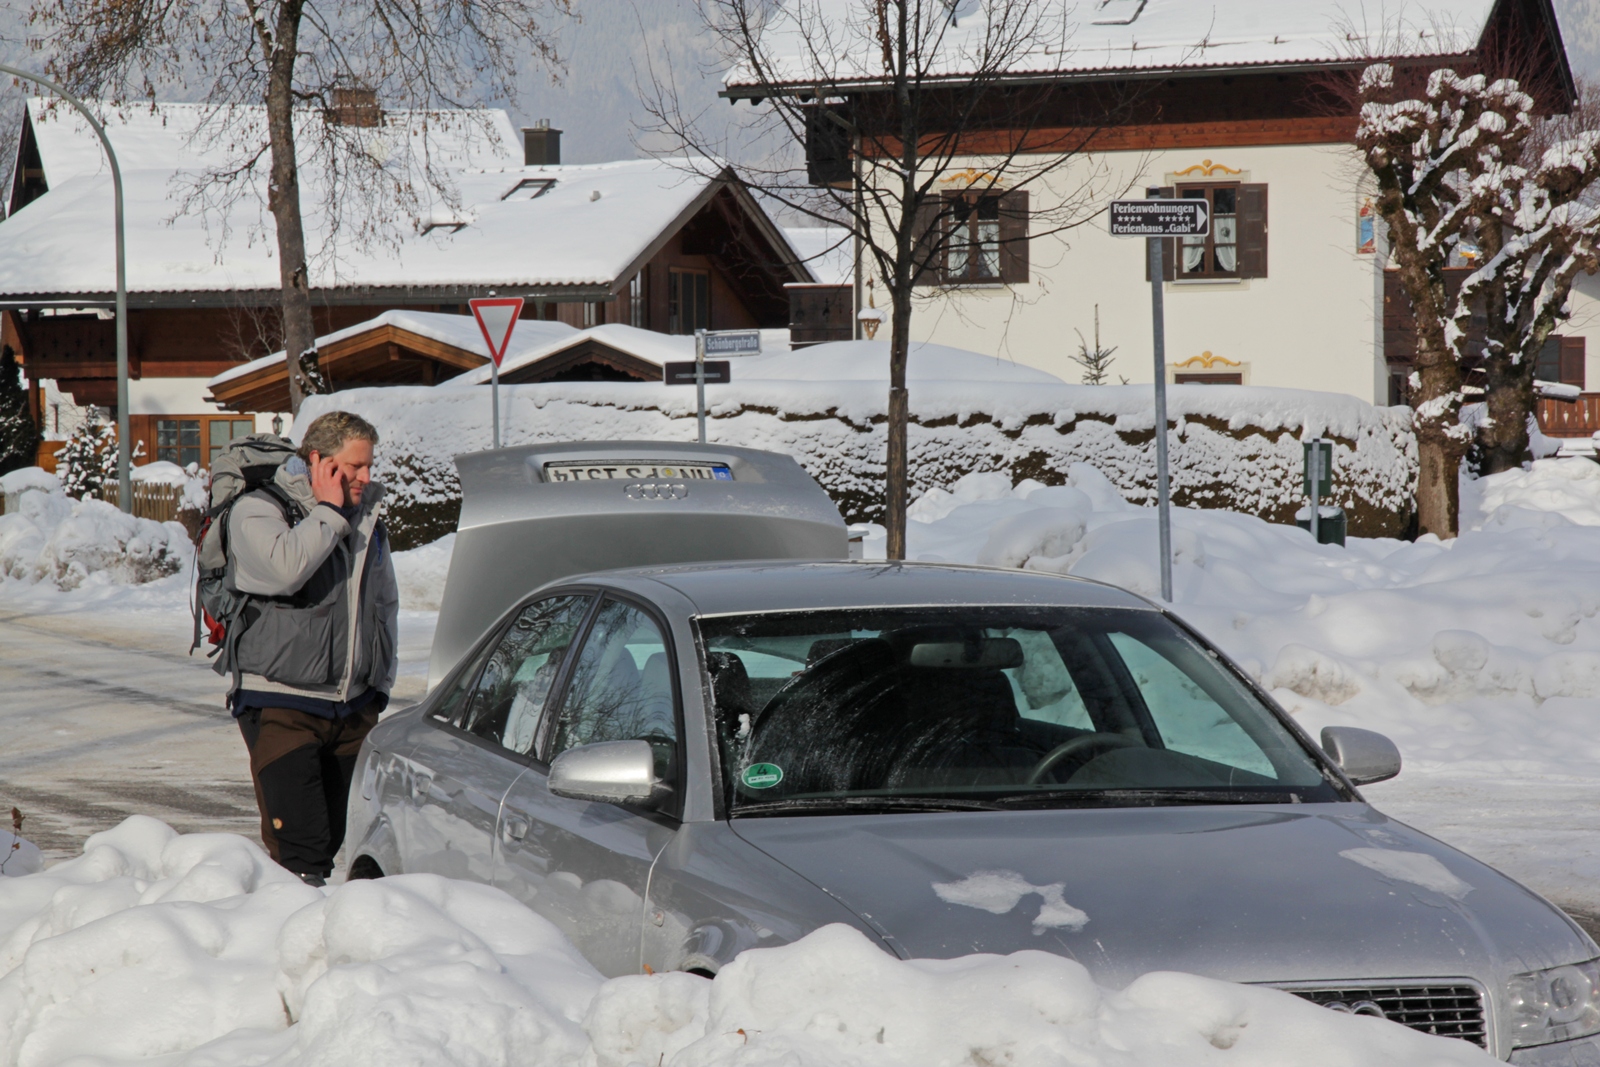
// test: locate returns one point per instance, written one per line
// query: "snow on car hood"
(1252, 894)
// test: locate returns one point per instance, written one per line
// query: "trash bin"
(537, 513)
(1330, 524)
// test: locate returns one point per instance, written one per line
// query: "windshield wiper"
(864, 805)
(1142, 798)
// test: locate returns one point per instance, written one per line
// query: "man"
(316, 656)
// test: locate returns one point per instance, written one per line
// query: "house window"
(1562, 360)
(223, 431)
(636, 309)
(1236, 247)
(178, 441)
(1216, 255)
(973, 250)
(688, 301)
(970, 238)
(592, 315)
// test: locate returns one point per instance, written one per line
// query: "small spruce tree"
(88, 461)
(19, 434)
(1096, 361)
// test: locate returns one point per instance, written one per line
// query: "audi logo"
(1359, 1007)
(656, 490)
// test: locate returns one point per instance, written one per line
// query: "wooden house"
(649, 243)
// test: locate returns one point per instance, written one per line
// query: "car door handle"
(513, 828)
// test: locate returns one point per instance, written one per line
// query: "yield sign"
(497, 317)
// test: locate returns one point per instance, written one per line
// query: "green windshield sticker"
(762, 775)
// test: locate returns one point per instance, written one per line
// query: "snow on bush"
(200, 951)
(89, 458)
(52, 537)
(1237, 448)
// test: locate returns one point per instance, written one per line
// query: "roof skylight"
(529, 189)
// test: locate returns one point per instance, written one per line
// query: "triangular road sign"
(497, 317)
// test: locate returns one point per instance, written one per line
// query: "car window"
(1188, 719)
(448, 708)
(509, 696)
(621, 687)
(1005, 706)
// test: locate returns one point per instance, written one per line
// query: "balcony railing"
(1570, 418)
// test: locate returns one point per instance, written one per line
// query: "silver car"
(677, 763)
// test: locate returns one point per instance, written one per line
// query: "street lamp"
(124, 446)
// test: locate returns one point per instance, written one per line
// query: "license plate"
(601, 472)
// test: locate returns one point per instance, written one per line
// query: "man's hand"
(328, 483)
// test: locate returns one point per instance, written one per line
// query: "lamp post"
(124, 446)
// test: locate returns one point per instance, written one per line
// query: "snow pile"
(1479, 649)
(199, 950)
(52, 537)
(1236, 448)
(421, 572)
(834, 998)
(253, 966)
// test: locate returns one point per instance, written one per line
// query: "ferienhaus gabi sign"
(1160, 218)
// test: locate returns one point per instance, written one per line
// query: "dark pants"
(301, 765)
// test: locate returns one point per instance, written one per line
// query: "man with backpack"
(299, 590)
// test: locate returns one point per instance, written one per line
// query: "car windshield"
(935, 708)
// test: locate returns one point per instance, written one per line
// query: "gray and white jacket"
(324, 621)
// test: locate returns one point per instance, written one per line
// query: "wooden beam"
(1335, 129)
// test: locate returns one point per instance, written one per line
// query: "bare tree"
(319, 67)
(896, 120)
(1536, 233)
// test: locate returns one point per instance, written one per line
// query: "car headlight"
(1559, 1004)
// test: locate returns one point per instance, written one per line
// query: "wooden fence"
(157, 502)
(1570, 418)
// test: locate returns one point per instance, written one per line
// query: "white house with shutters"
(1230, 103)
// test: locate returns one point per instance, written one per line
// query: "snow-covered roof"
(460, 331)
(835, 361)
(827, 250)
(648, 345)
(588, 229)
(1089, 36)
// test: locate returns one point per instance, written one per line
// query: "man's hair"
(328, 433)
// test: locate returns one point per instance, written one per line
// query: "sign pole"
(700, 380)
(1159, 331)
(494, 389)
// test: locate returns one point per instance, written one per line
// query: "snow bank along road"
(198, 951)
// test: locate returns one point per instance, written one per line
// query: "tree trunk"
(1440, 445)
(896, 487)
(1509, 403)
(283, 198)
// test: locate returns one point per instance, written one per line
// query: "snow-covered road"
(103, 715)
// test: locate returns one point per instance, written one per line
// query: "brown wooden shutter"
(1014, 237)
(1169, 248)
(1574, 353)
(928, 253)
(1252, 231)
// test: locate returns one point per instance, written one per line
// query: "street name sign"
(733, 343)
(718, 372)
(1160, 218)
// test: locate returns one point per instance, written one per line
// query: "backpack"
(246, 465)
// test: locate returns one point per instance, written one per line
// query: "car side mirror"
(611, 772)
(1363, 755)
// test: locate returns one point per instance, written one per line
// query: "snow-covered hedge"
(1236, 448)
(50, 536)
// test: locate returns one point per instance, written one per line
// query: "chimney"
(541, 145)
(355, 106)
